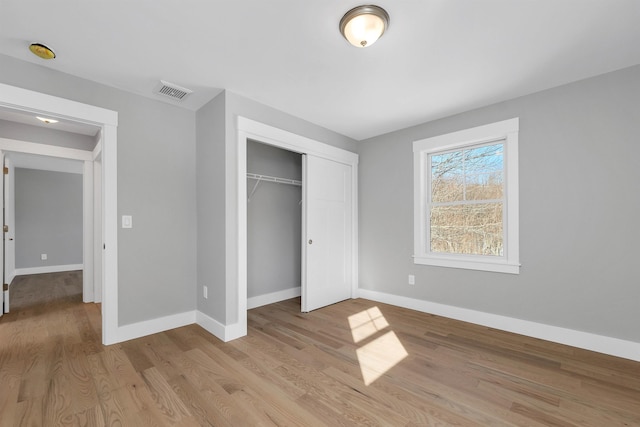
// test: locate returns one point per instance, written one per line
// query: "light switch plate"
(127, 221)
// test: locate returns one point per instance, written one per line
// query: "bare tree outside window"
(466, 200)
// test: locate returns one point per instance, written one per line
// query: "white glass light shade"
(363, 25)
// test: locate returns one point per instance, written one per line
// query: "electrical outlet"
(43, 257)
(412, 279)
(204, 292)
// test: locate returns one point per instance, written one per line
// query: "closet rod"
(274, 179)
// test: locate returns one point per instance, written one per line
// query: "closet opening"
(274, 224)
(326, 210)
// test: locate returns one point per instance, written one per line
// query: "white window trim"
(506, 130)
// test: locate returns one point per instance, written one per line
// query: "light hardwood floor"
(354, 363)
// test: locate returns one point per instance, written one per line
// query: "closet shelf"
(274, 179)
(260, 178)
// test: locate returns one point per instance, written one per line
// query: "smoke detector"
(172, 90)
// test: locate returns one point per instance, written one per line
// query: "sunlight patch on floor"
(383, 350)
(367, 323)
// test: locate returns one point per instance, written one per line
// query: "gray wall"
(579, 209)
(274, 221)
(210, 166)
(156, 184)
(24, 132)
(48, 207)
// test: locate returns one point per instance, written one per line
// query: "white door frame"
(4, 307)
(9, 219)
(38, 103)
(250, 129)
(98, 218)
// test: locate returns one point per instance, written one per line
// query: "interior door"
(327, 230)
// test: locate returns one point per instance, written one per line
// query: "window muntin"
(466, 199)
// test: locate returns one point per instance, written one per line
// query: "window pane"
(474, 229)
(484, 177)
(468, 174)
(447, 178)
(485, 186)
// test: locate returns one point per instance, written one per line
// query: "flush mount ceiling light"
(46, 120)
(42, 51)
(363, 25)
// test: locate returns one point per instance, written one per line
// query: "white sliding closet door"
(327, 232)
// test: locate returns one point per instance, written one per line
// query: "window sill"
(497, 267)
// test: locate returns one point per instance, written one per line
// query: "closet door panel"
(327, 246)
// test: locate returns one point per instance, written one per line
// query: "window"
(466, 199)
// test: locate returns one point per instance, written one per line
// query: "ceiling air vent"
(172, 90)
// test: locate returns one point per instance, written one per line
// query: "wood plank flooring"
(353, 363)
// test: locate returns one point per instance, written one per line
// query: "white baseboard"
(235, 330)
(224, 333)
(161, 324)
(211, 325)
(153, 326)
(260, 300)
(599, 343)
(48, 269)
(10, 277)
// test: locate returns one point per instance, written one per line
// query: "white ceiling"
(439, 57)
